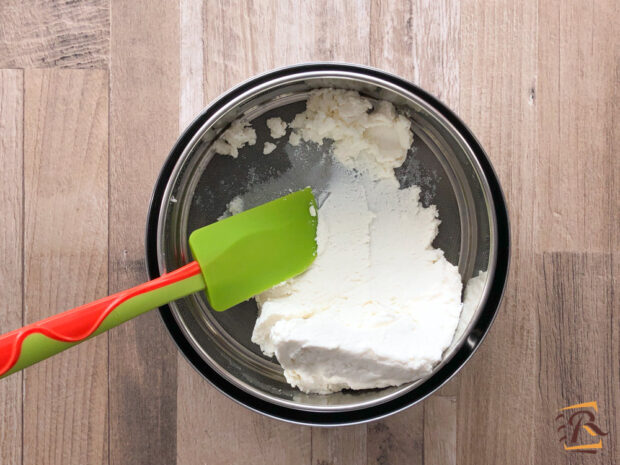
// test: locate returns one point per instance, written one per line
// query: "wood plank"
(332, 31)
(420, 42)
(577, 311)
(240, 40)
(144, 111)
(11, 242)
(339, 446)
(233, 434)
(192, 98)
(440, 430)
(56, 34)
(497, 73)
(537, 84)
(578, 101)
(398, 439)
(200, 406)
(244, 38)
(65, 259)
(392, 38)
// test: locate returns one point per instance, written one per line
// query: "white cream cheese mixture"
(268, 148)
(379, 305)
(277, 127)
(471, 298)
(236, 136)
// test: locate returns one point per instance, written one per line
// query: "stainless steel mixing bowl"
(194, 187)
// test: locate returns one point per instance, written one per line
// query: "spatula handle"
(31, 344)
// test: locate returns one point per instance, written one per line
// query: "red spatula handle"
(40, 340)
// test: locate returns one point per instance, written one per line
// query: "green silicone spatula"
(235, 259)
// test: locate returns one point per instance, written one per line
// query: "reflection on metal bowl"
(194, 187)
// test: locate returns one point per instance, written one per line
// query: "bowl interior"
(203, 183)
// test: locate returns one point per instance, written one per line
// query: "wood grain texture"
(144, 117)
(191, 66)
(11, 237)
(338, 446)
(440, 430)
(243, 38)
(418, 41)
(232, 432)
(65, 259)
(397, 439)
(495, 411)
(240, 40)
(578, 304)
(536, 81)
(578, 102)
(54, 34)
(200, 407)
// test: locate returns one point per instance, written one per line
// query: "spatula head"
(252, 251)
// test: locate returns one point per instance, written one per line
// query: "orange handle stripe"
(81, 322)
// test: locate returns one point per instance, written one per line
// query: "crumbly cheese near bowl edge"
(379, 305)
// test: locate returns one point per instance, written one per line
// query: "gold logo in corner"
(579, 427)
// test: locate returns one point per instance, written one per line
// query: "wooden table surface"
(92, 97)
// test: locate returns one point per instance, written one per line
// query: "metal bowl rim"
(378, 409)
(187, 152)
